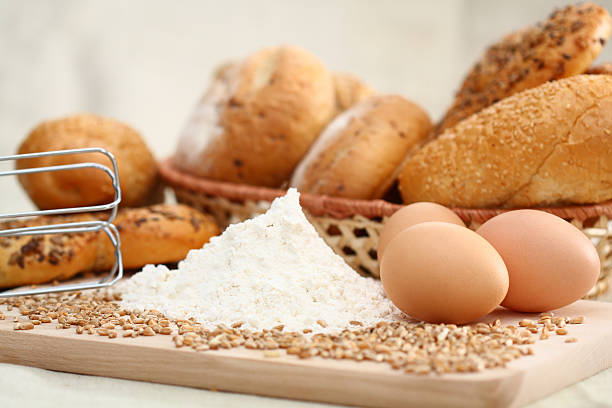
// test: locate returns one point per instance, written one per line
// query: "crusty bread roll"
(258, 118)
(160, 233)
(157, 234)
(562, 46)
(349, 90)
(550, 145)
(358, 154)
(74, 188)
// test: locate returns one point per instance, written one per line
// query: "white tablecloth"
(34, 387)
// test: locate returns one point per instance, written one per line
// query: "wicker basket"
(352, 227)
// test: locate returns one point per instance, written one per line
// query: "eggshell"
(441, 272)
(550, 262)
(411, 215)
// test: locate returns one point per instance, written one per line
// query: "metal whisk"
(116, 272)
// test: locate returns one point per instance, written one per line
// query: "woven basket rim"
(337, 207)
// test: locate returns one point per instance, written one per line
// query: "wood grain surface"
(555, 365)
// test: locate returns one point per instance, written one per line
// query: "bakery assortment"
(156, 234)
(360, 152)
(530, 127)
(563, 45)
(62, 189)
(549, 145)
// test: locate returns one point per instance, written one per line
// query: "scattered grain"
(418, 348)
(148, 332)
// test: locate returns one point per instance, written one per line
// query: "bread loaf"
(550, 145)
(359, 152)
(562, 46)
(75, 188)
(157, 234)
(258, 118)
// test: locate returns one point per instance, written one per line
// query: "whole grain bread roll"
(36, 259)
(550, 145)
(359, 153)
(562, 46)
(258, 118)
(74, 188)
(156, 234)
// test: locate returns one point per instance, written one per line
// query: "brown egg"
(550, 262)
(443, 273)
(411, 215)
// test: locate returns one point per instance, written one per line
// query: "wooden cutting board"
(555, 365)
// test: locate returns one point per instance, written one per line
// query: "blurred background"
(147, 62)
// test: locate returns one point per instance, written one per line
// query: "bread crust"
(30, 260)
(601, 69)
(562, 46)
(74, 188)
(549, 145)
(349, 90)
(258, 118)
(359, 153)
(162, 233)
(156, 234)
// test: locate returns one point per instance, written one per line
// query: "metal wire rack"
(116, 272)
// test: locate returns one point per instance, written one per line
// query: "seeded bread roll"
(550, 145)
(157, 234)
(74, 188)
(29, 260)
(562, 46)
(349, 90)
(359, 153)
(258, 118)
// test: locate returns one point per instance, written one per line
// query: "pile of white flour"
(273, 269)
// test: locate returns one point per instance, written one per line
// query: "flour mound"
(273, 269)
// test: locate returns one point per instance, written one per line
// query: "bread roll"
(157, 234)
(349, 90)
(550, 145)
(562, 46)
(258, 118)
(358, 154)
(75, 188)
(29, 260)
